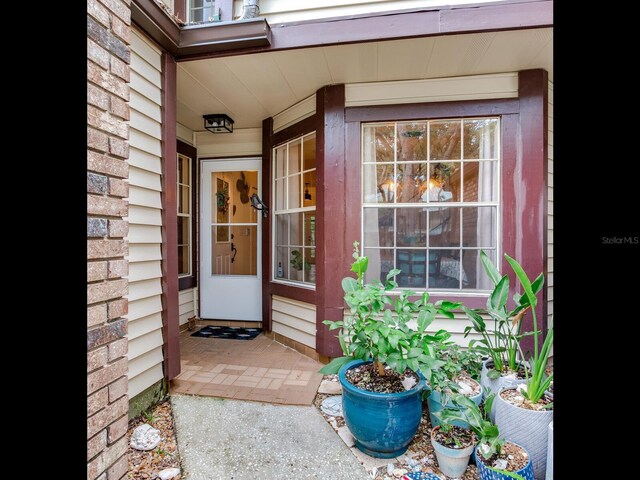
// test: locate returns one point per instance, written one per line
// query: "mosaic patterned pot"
(382, 424)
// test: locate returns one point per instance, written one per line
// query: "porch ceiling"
(250, 88)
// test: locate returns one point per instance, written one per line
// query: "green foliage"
(502, 343)
(456, 362)
(468, 411)
(296, 261)
(376, 327)
(148, 416)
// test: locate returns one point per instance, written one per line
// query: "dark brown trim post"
(170, 317)
(267, 128)
(531, 194)
(330, 215)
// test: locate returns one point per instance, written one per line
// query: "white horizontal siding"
(184, 133)
(294, 319)
(186, 308)
(295, 113)
(145, 218)
(278, 11)
(472, 87)
(244, 141)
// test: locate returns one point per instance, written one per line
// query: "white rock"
(169, 473)
(408, 383)
(398, 472)
(145, 437)
(500, 464)
(390, 468)
(465, 388)
(522, 387)
(330, 388)
(332, 406)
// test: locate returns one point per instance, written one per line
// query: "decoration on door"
(222, 198)
(243, 188)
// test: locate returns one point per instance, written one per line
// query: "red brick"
(119, 469)
(119, 68)
(97, 140)
(118, 428)
(119, 147)
(121, 29)
(105, 121)
(117, 389)
(110, 166)
(97, 401)
(97, 358)
(96, 444)
(109, 456)
(106, 248)
(107, 333)
(118, 268)
(96, 271)
(118, 308)
(118, 188)
(99, 292)
(104, 376)
(107, 415)
(96, 315)
(118, 228)
(97, 97)
(120, 8)
(97, 54)
(117, 349)
(108, 206)
(97, 11)
(106, 80)
(119, 107)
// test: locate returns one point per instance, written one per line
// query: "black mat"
(228, 332)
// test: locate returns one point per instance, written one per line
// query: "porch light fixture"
(258, 205)
(218, 123)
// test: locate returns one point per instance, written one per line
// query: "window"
(185, 243)
(203, 11)
(294, 198)
(431, 201)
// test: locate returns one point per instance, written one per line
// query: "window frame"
(394, 206)
(188, 281)
(287, 211)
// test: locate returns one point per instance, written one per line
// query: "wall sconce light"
(218, 123)
(258, 205)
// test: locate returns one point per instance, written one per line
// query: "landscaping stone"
(332, 406)
(169, 474)
(346, 436)
(330, 388)
(145, 437)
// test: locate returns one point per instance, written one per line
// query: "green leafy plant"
(457, 364)
(148, 416)
(501, 343)
(296, 261)
(536, 383)
(373, 331)
(468, 411)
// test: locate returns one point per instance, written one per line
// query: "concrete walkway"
(221, 439)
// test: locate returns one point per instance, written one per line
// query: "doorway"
(230, 233)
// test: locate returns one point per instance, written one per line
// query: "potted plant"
(494, 458)
(385, 362)
(453, 447)
(456, 375)
(297, 264)
(523, 413)
(504, 367)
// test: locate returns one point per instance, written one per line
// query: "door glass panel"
(234, 223)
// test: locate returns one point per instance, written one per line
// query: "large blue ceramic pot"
(485, 474)
(434, 401)
(382, 424)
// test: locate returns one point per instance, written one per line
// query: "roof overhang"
(255, 35)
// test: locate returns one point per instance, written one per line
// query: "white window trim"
(498, 204)
(286, 211)
(187, 215)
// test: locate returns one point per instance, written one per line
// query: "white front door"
(230, 246)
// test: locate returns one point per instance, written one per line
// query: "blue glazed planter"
(434, 402)
(382, 424)
(485, 474)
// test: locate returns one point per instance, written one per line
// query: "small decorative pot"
(496, 385)
(382, 424)
(452, 461)
(485, 474)
(434, 401)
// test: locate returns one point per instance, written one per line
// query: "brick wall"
(108, 55)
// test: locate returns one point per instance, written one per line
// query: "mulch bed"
(147, 464)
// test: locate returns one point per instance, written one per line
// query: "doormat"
(235, 333)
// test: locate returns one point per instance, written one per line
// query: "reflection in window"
(430, 201)
(294, 197)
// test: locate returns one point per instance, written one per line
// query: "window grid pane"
(431, 202)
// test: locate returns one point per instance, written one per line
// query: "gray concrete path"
(222, 439)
